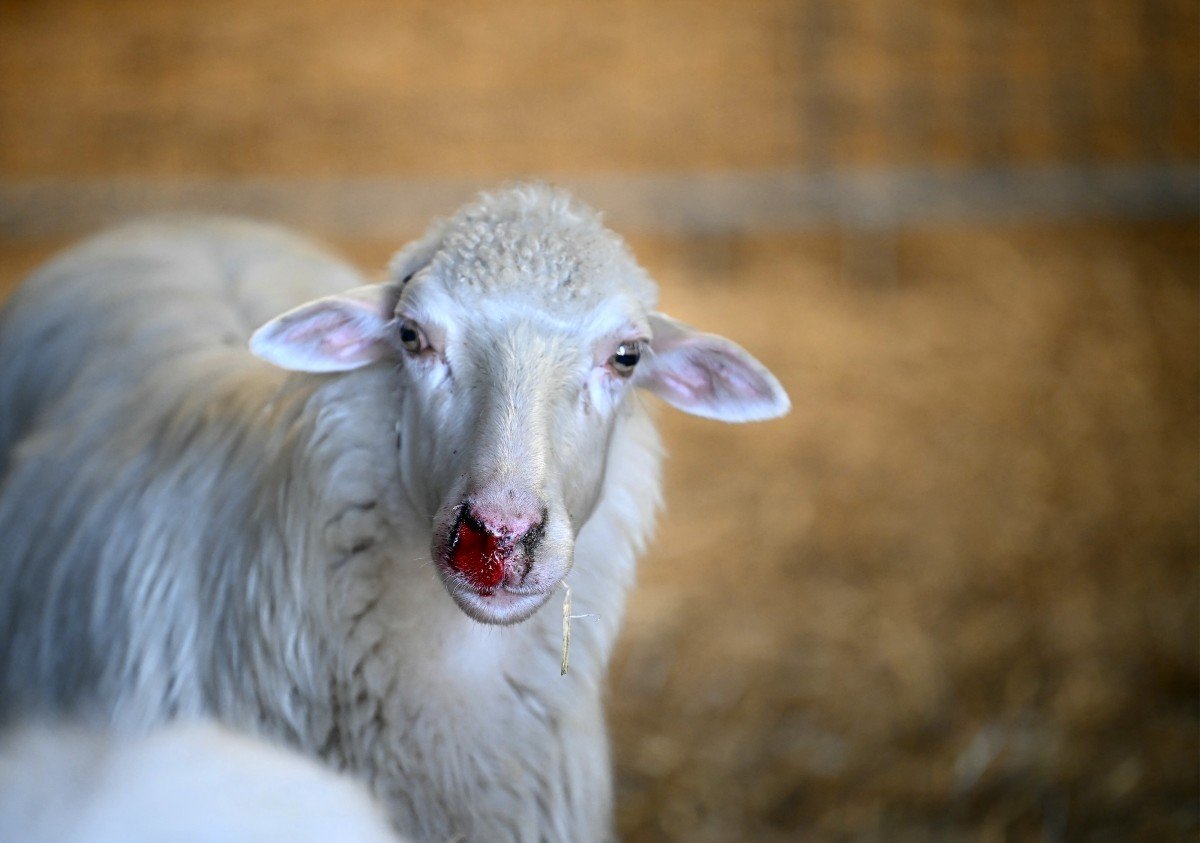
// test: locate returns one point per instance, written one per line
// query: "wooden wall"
(452, 88)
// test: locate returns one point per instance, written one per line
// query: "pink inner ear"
(744, 380)
(691, 379)
(345, 344)
(310, 328)
(706, 374)
(330, 334)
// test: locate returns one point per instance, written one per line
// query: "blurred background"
(954, 595)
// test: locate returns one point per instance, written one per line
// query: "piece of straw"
(566, 644)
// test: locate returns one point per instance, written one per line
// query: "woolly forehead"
(572, 274)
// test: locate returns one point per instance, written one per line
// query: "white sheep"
(188, 531)
(184, 783)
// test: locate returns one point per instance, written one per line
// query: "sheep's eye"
(627, 356)
(410, 337)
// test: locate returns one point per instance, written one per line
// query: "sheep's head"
(517, 328)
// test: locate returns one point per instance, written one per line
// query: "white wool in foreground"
(239, 482)
(188, 783)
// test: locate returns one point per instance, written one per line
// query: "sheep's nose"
(486, 548)
(509, 516)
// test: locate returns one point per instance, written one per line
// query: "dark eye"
(410, 337)
(627, 356)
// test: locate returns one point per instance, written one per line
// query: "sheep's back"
(128, 431)
(148, 292)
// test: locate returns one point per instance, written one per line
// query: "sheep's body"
(189, 531)
(186, 783)
(362, 565)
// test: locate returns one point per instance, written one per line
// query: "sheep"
(188, 782)
(242, 483)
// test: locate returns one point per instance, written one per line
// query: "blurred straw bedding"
(954, 595)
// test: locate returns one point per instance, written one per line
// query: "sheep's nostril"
(477, 553)
(533, 536)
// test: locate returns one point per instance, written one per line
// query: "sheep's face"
(517, 330)
(509, 407)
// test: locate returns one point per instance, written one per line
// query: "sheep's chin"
(500, 607)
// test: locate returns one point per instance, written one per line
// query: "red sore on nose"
(477, 555)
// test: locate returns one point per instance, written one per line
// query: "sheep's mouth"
(501, 606)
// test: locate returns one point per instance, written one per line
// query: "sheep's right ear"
(707, 375)
(330, 334)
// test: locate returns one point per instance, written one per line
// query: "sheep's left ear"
(707, 375)
(330, 334)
